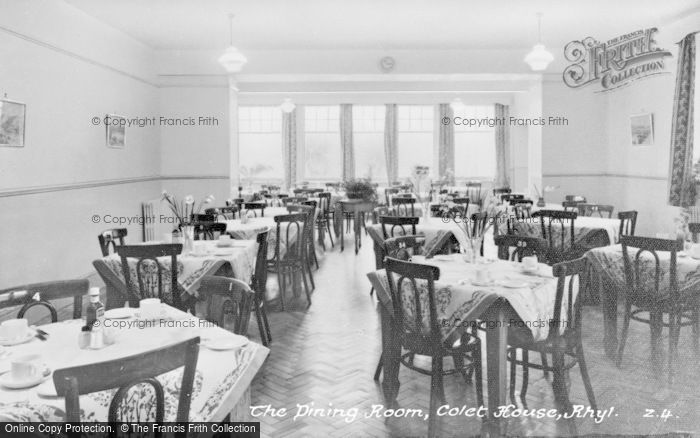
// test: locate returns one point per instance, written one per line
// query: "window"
(260, 142)
(415, 141)
(368, 138)
(475, 147)
(322, 155)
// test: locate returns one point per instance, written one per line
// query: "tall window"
(368, 139)
(322, 155)
(475, 147)
(415, 141)
(260, 142)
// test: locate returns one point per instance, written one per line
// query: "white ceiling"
(371, 24)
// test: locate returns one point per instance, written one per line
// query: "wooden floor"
(326, 356)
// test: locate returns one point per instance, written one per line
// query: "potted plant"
(360, 189)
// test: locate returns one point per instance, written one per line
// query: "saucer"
(7, 381)
(513, 284)
(224, 343)
(480, 283)
(16, 341)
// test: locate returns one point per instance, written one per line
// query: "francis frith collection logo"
(614, 63)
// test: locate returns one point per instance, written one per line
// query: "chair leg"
(459, 365)
(561, 393)
(330, 234)
(545, 365)
(306, 286)
(526, 374)
(514, 357)
(584, 375)
(281, 283)
(675, 319)
(321, 236)
(623, 335)
(263, 311)
(435, 395)
(378, 371)
(476, 357)
(656, 320)
(261, 328)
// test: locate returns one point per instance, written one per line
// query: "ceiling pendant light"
(539, 57)
(232, 60)
(287, 106)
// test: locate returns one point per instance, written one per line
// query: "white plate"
(10, 342)
(7, 381)
(480, 283)
(225, 343)
(120, 313)
(513, 284)
(443, 258)
(534, 270)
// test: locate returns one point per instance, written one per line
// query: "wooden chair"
(227, 297)
(570, 205)
(643, 277)
(294, 200)
(564, 338)
(324, 219)
(461, 206)
(126, 373)
(259, 285)
(208, 230)
(150, 253)
(389, 193)
(110, 238)
(404, 206)
(309, 250)
(524, 247)
(41, 294)
(559, 245)
(628, 222)
(585, 209)
(401, 222)
(403, 247)
(420, 337)
(521, 210)
(222, 213)
(293, 262)
(312, 258)
(254, 207)
(198, 217)
(575, 198)
(474, 192)
(508, 197)
(502, 191)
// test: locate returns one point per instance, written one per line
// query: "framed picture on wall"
(642, 129)
(12, 116)
(116, 131)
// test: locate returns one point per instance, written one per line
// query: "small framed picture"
(116, 130)
(12, 116)
(642, 126)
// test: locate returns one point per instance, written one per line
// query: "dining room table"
(250, 229)
(222, 378)
(510, 303)
(235, 261)
(607, 267)
(433, 229)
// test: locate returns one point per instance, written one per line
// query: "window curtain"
(346, 143)
(391, 134)
(446, 144)
(289, 147)
(502, 132)
(682, 182)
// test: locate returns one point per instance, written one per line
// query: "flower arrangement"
(540, 195)
(183, 210)
(493, 209)
(360, 188)
(419, 176)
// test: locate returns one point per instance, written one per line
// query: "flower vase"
(540, 202)
(426, 211)
(188, 238)
(472, 252)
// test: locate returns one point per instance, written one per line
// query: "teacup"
(529, 263)
(26, 367)
(149, 308)
(13, 329)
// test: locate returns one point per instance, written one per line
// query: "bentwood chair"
(324, 219)
(570, 205)
(403, 247)
(389, 193)
(628, 222)
(309, 250)
(312, 258)
(461, 206)
(291, 262)
(131, 376)
(259, 285)
(523, 247)
(395, 223)
(42, 294)
(644, 279)
(208, 230)
(111, 238)
(255, 207)
(586, 209)
(418, 332)
(563, 340)
(554, 225)
(512, 197)
(404, 206)
(294, 200)
(502, 191)
(151, 275)
(227, 299)
(474, 192)
(198, 217)
(223, 213)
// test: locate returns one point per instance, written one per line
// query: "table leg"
(496, 364)
(358, 231)
(608, 299)
(391, 359)
(341, 236)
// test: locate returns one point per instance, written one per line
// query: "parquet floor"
(326, 356)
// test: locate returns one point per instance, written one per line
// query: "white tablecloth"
(221, 376)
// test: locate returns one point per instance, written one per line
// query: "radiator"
(157, 220)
